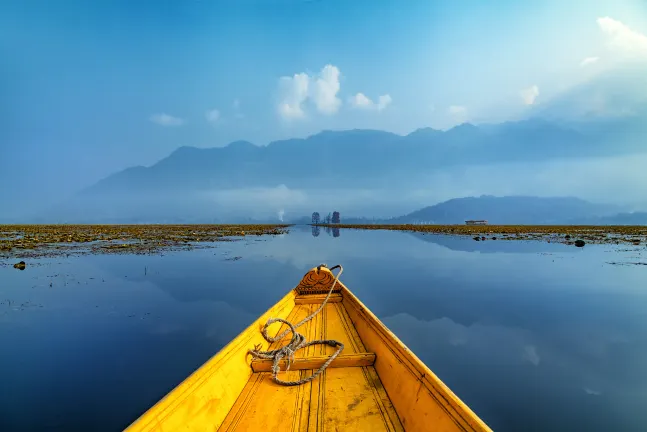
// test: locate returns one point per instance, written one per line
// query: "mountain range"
(602, 116)
(181, 187)
(242, 180)
(511, 210)
(574, 143)
(366, 158)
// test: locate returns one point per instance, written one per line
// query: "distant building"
(315, 218)
(475, 222)
(335, 217)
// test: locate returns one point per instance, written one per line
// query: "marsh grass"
(31, 241)
(567, 234)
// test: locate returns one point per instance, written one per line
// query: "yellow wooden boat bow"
(375, 383)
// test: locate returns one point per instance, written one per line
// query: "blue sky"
(91, 87)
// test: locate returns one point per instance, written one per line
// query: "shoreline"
(567, 234)
(41, 241)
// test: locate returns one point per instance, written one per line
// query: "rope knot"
(297, 342)
(289, 353)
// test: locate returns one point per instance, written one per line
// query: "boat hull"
(376, 384)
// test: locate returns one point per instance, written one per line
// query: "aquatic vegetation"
(31, 241)
(567, 234)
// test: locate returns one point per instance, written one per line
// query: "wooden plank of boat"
(375, 384)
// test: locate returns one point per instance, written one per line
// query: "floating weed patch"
(33, 241)
(566, 234)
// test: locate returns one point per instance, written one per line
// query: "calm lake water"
(532, 336)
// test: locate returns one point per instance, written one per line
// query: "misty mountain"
(369, 158)
(372, 172)
(509, 210)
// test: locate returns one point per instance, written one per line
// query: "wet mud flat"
(36, 241)
(577, 235)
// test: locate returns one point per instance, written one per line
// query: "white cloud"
(622, 38)
(383, 101)
(457, 110)
(589, 61)
(166, 120)
(360, 100)
(528, 95)
(325, 89)
(515, 346)
(212, 116)
(321, 89)
(294, 92)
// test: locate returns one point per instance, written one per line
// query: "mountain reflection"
(468, 244)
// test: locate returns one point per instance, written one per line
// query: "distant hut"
(475, 222)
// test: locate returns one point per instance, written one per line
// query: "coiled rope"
(298, 342)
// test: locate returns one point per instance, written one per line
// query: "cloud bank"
(325, 89)
(294, 92)
(622, 38)
(361, 101)
(321, 90)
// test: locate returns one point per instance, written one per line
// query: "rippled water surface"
(533, 336)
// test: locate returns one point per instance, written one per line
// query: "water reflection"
(468, 244)
(331, 231)
(533, 336)
(315, 231)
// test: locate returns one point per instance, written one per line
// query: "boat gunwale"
(170, 401)
(425, 375)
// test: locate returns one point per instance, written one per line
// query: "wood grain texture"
(420, 398)
(343, 360)
(347, 397)
(317, 298)
(203, 400)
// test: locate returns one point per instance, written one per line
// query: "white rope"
(298, 342)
